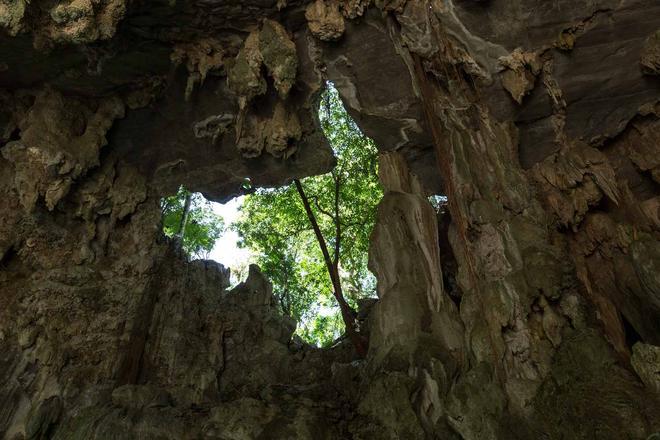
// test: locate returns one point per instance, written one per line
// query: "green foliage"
(273, 224)
(438, 202)
(322, 329)
(203, 227)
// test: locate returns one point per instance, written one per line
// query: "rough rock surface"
(529, 309)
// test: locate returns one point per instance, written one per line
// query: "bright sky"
(226, 250)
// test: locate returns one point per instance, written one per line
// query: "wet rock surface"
(531, 312)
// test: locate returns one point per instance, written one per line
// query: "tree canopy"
(275, 226)
(189, 218)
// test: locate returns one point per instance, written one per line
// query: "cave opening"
(310, 238)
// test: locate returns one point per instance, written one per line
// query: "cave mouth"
(299, 233)
(310, 238)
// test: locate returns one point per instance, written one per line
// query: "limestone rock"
(11, 15)
(279, 56)
(61, 139)
(84, 21)
(416, 29)
(283, 132)
(651, 55)
(391, 5)
(352, 9)
(412, 310)
(530, 299)
(646, 361)
(139, 397)
(200, 57)
(77, 21)
(520, 75)
(252, 136)
(246, 419)
(244, 77)
(325, 20)
(583, 172)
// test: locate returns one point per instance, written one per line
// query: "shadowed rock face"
(530, 309)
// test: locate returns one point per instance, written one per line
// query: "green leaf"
(203, 227)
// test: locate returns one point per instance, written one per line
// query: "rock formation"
(530, 309)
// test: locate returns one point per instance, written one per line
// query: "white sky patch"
(226, 250)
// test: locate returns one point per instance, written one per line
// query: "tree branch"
(317, 231)
(321, 210)
(284, 300)
(184, 219)
(337, 221)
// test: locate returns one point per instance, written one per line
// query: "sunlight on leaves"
(273, 224)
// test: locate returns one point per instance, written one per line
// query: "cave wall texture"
(531, 310)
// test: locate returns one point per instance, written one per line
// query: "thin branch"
(294, 233)
(361, 223)
(184, 219)
(328, 108)
(337, 180)
(321, 210)
(165, 206)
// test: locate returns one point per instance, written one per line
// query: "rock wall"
(529, 309)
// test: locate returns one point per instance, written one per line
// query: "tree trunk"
(347, 312)
(184, 220)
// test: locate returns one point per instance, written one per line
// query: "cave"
(530, 309)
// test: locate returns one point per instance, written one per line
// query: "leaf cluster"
(203, 227)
